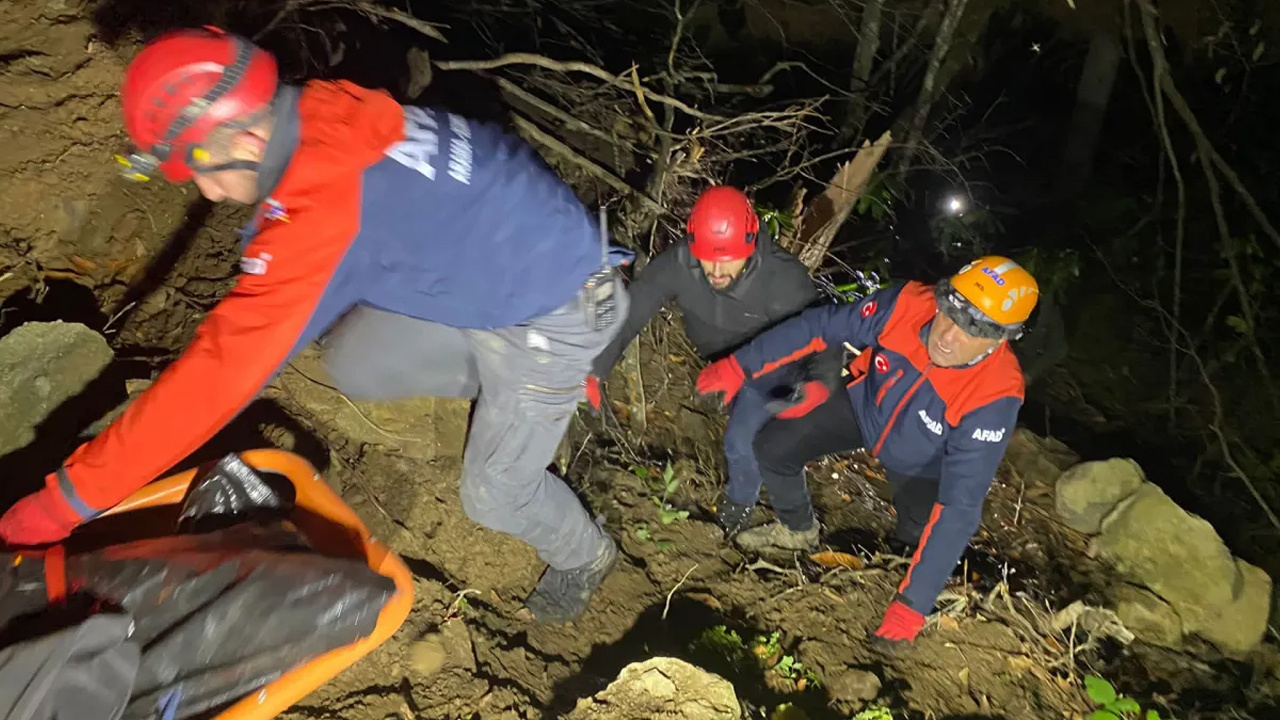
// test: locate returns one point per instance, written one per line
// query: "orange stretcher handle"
(329, 523)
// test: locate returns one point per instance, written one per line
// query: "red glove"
(807, 397)
(724, 375)
(900, 623)
(593, 392)
(38, 519)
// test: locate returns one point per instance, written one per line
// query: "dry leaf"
(832, 559)
(83, 265)
(706, 599)
(1018, 664)
(948, 623)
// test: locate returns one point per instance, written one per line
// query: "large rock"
(1175, 554)
(1038, 460)
(1089, 491)
(41, 366)
(662, 689)
(1239, 626)
(1147, 616)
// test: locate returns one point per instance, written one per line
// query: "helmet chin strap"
(232, 165)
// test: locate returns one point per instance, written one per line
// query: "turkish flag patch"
(882, 364)
(868, 310)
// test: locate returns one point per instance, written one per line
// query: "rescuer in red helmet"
(376, 220)
(727, 276)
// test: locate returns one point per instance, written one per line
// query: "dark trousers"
(783, 447)
(748, 414)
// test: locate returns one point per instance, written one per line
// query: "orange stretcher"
(333, 529)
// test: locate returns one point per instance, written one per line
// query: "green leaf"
(1153, 715)
(1124, 705)
(640, 472)
(1099, 690)
(1102, 715)
(1237, 323)
(664, 544)
(643, 533)
(669, 515)
(668, 473)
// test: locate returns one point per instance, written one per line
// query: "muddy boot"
(562, 595)
(777, 536)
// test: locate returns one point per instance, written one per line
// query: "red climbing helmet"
(181, 87)
(723, 225)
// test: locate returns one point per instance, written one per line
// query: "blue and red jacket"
(412, 210)
(917, 418)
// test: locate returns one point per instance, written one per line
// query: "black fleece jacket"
(773, 286)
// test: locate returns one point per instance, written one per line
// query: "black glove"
(733, 517)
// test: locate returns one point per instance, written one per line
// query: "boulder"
(43, 365)
(852, 688)
(1239, 626)
(1175, 554)
(1086, 493)
(662, 689)
(1038, 460)
(1147, 616)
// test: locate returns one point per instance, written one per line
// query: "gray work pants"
(529, 381)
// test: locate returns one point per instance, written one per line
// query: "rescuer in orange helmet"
(933, 392)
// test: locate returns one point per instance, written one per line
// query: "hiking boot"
(562, 595)
(777, 536)
(732, 517)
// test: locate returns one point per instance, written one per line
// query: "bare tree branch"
(537, 134)
(1216, 426)
(567, 66)
(1162, 78)
(1207, 150)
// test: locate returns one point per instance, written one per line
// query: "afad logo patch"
(868, 310)
(991, 436)
(882, 364)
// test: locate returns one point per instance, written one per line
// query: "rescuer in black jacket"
(730, 282)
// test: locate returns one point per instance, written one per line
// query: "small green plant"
(875, 712)
(723, 644)
(795, 671)
(766, 647)
(1112, 705)
(644, 535)
(776, 220)
(662, 490)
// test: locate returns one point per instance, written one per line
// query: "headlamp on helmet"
(183, 87)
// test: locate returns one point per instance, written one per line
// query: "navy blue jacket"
(918, 419)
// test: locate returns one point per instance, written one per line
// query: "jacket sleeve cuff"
(66, 501)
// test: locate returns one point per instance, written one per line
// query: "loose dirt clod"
(427, 655)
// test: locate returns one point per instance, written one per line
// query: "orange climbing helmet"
(990, 297)
(183, 86)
